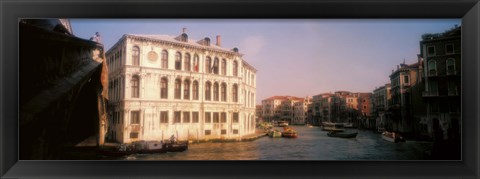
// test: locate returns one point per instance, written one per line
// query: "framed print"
(216, 88)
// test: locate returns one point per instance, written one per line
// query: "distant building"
(442, 55)
(259, 112)
(381, 97)
(278, 108)
(365, 110)
(163, 85)
(340, 106)
(300, 110)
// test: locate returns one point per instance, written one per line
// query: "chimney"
(219, 40)
(184, 30)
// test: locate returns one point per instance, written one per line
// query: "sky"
(296, 57)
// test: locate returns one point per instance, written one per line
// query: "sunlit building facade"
(163, 85)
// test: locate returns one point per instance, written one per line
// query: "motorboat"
(137, 147)
(330, 126)
(282, 123)
(274, 133)
(342, 134)
(392, 137)
(289, 133)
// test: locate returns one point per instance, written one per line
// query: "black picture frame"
(468, 10)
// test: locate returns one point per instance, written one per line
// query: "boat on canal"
(274, 133)
(282, 123)
(330, 126)
(289, 133)
(392, 137)
(342, 134)
(176, 146)
(137, 147)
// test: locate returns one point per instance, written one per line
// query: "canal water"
(311, 144)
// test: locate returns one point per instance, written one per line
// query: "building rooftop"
(191, 42)
(285, 98)
(438, 36)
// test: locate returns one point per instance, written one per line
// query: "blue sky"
(296, 57)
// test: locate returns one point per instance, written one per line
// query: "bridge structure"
(62, 89)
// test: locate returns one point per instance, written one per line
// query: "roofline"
(248, 65)
(185, 44)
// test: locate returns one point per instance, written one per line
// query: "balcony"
(430, 94)
(432, 73)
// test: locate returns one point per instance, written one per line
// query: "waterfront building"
(442, 55)
(406, 104)
(300, 110)
(163, 85)
(381, 97)
(365, 110)
(340, 106)
(259, 113)
(278, 108)
(314, 110)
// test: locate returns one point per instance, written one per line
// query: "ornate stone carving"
(152, 56)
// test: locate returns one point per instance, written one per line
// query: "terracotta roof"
(284, 98)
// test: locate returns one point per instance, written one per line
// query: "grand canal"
(312, 144)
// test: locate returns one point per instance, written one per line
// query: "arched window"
(223, 92)
(178, 88)
(186, 89)
(195, 90)
(224, 67)
(235, 93)
(164, 59)
(208, 64)
(450, 66)
(135, 82)
(216, 65)
(195, 63)
(235, 68)
(135, 56)
(178, 61)
(215, 91)
(186, 62)
(432, 68)
(164, 88)
(208, 91)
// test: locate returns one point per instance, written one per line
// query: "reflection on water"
(311, 144)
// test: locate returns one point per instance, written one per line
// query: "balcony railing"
(430, 93)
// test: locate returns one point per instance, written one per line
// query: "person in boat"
(173, 139)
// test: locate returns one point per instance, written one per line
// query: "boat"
(282, 123)
(137, 147)
(289, 133)
(308, 125)
(330, 126)
(348, 125)
(380, 130)
(176, 146)
(274, 133)
(342, 134)
(392, 137)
